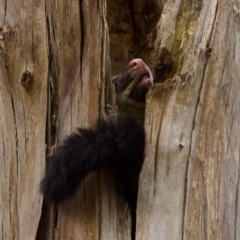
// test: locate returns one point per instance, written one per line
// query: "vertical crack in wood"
(15, 129)
(49, 212)
(101, 89)
(13, 175)
(2, 230)
(236, 208)
(156, 160)
(53, 95)
(53, 98)
(3, 146)
(81, 24)
(48, 124)
(5, 11)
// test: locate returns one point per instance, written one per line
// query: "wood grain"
(189, 183)
(23, 109)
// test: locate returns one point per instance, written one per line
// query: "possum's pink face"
(134, 82)
(142, 78)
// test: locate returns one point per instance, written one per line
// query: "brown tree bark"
(23, 109)
(55, 76)
(81, 90)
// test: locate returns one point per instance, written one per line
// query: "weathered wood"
(189, 183)
(54, 77)
(23, 108)
(80, 90)
(68, 54)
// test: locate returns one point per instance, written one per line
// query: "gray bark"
(190, 180)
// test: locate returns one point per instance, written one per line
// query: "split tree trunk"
(55, 76)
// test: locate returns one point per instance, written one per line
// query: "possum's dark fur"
(116, 143)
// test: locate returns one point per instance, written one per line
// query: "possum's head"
(131, 87)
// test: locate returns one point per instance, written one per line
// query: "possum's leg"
(117, 144)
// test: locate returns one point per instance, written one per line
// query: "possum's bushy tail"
(117, 144)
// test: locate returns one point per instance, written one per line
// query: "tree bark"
(23, 108)
(55, 76)
(81, 91)
(190, 180)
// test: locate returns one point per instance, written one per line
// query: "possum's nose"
(137, 63)
(138, 66)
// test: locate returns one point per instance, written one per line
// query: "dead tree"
(56, 60)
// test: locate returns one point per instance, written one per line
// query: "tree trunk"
(189, 184)
(23, 109)
(55, 76)
(80, 91)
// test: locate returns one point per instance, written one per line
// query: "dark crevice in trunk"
(48, 222)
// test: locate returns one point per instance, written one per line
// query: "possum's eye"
(134, 81)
